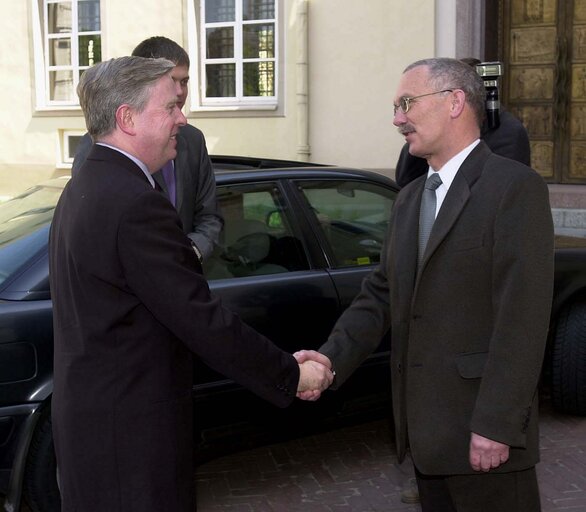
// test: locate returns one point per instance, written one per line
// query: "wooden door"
(544, 51)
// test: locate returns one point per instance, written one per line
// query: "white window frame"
(64, 160)
(41, 40)
(196, 29)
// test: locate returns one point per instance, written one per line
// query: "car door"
(262, 273)
(351, 218)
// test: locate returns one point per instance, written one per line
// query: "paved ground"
(354, 469)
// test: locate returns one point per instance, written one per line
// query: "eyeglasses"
(405, 102)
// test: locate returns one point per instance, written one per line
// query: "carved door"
(544, 50)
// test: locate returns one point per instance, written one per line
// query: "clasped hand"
(315, 374)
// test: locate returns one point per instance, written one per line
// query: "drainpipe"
(302, 89)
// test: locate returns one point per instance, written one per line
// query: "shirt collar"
(448, 172)
(142, 166)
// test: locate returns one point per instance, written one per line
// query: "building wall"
(356, 51)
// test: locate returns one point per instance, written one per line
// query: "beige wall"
(356, 52)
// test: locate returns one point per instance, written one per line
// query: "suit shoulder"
(191, 132)
(510, 171)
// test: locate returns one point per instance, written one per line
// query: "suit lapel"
(456, 198)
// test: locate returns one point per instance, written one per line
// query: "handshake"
(315, 374)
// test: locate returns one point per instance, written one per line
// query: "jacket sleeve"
(523, 262)
(360, 329)
(163, 272)
(207, 219)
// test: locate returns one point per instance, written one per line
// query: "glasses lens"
(404, 104)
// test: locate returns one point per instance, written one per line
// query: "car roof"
(229, 169)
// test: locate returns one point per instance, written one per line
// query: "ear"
(458, 102)
(125, 119)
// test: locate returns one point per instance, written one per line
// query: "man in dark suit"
(188, 180)
(130, 307)
(468, 307)
(509, 139)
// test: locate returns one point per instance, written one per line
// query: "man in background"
(188, 180)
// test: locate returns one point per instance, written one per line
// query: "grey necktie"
(427, 212)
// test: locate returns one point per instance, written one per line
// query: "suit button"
(399, 367)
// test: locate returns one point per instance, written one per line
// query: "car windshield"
(24, 225)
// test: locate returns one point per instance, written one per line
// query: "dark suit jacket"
(510, 139)
(196, 187)
(130, 307)
(469, 327)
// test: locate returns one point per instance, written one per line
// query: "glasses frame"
(405, 101)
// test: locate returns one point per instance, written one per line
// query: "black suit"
(469, 325)
(510, 139)
(130, 307)
(196, 187)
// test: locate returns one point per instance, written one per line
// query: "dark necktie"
(427, 212)
(168, 171)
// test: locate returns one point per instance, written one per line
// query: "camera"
(490, 73)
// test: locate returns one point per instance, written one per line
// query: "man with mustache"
(465, 284)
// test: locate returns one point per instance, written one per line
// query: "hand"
(486, 454)
(311, 356)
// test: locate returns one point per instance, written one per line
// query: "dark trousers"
(485, 492)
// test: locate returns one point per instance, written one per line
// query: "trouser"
(517, 491)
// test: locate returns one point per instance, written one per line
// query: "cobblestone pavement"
(355, 469)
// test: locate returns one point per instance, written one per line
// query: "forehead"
(163, 91)
(413, 82)
(179, 73)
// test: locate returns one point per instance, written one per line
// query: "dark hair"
(159, 47)
(445, 73)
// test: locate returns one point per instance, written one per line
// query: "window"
(238, 42)
(257, 238)
(353, 218)
(67, 40)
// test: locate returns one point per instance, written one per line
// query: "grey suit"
(196, 187)
(469, 326)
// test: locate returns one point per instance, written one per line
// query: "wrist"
(197, 251)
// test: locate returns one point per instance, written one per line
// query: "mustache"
(405, 128)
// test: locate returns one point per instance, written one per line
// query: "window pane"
(61, 85)
(259, 41)
(259, 79)
(258, 10)
(218, 11)
(221, 80)
(257, 238)
(353, 216)
(90, 50)
(59, 18)
(60, 52)
(220, 43)
(88, 15)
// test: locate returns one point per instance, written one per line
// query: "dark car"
(297, 242)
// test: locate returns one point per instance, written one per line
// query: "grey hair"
(445, 73)
(107, 85)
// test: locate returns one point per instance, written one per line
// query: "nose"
(181, 119)
(399, 117)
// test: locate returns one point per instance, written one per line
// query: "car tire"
(568, 360)
(41, 490)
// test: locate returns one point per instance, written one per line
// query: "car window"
(257, 238)
(353, 217)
